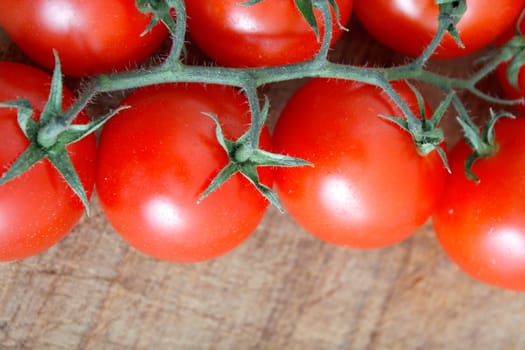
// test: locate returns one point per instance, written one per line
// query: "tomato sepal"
(337, 15)
(244, 159)
(514, 67)
(482, 141)
(451, 11)
(426, 133)
(161, 12)
(32, 155)
(56, 153)
(306, 7)
(28, 126)
(515, 48)
(49, 136)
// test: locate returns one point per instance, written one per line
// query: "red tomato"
(157, 158)
(481, 225)
(511, 91)
(408, 26)
(38, 208)
(91, 37)
(270, 33)
(369, 187)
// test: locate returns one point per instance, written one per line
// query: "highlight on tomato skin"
(368, 187)
(480, 26)
(269, 33)
(481, 225)
(37, 208)
(91, 37)
(156, 159)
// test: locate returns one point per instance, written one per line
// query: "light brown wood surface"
(281, 289)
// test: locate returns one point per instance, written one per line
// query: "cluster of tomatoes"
(367, 187)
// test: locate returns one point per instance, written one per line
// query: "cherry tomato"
(481, 225)
(158, 157)
(91, 37)
(37, 208)
(368, 186)
(269, 33)
(408, 26)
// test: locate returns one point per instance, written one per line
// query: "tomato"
(91, 37)
(501, 72)
(369, 187)
(158, 157)
(481, 225)
(38, 208)
(393, 21)
(270, 33)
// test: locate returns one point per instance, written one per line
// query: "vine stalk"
(174, 70)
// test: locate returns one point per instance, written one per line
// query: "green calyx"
(161, 12)
(306, 8)
(516, 50)
(450, 12)
(425, 132)
(49, 136)
(513, 69)
(244, 159)
(482, 142)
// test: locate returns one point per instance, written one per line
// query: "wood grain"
(282, 289)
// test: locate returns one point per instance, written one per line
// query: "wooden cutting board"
(282, 289)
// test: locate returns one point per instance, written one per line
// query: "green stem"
(414, 125)
(462, 111)
(80, 103)
(250, 91)
(260, 76)
(180, 32)
(324, 7)
(172, 74)
(420, 61)
(250, 79)
(488, 68)
(494, 100)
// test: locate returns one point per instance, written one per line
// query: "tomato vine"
(249, 79)
(55, 130)
(173, 69)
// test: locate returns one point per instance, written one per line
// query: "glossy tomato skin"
(368, 187)
(37, 209)
(270, 33)
(156, 158)
(481, 225)
(91, 37)
(408, 26)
